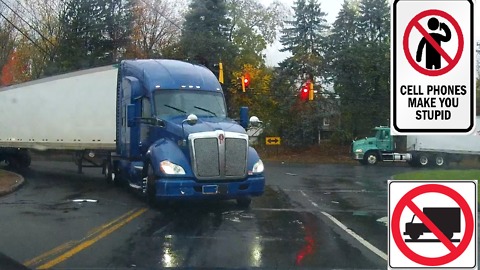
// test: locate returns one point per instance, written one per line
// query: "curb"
(14, 187)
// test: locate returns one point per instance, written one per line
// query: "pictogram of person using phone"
(433, 59)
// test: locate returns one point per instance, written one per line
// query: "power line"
(29, 25)
(47, 4)
(25, 35)
(165, 17)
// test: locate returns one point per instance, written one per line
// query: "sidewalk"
(9, 182)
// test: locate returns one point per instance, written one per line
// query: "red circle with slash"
(455, 251)
(415, 22)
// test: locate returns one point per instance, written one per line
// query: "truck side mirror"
(254, 121)
(130, 115)
(191, 119)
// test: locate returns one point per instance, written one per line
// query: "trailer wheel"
(423, 159)
(440, 160)
(370, 158)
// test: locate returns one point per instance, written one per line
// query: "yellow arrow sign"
(272, 140)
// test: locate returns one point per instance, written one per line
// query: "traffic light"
(220, 73)
(245, 82)
(304, 92)
(311, 94)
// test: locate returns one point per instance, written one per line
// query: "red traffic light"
(304, 92)
(246, 80)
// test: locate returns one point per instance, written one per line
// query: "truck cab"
(174, 139)
(380, 147)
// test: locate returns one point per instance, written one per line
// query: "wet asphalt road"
(296, 223)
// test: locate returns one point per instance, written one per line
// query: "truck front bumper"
(358, 156)
(186, 188)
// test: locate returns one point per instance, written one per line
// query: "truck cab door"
(384, 140)
(144, 142)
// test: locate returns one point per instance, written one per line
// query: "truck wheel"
(423, 160)
(440, 161)
(108, 172)
(244, 202)
(370, 158)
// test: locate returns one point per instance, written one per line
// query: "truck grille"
(206, 157)
(235, 157)
(214, 158)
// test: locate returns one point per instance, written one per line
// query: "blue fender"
(253, 158)
(165, 149)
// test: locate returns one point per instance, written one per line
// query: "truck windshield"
(177, 102)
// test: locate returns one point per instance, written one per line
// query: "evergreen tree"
(204, 35)
(95, 32)
(305, 37)
(359, 57)
(375, 41)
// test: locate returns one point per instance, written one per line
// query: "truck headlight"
(168, 167)
(359, 151)
(258, 167)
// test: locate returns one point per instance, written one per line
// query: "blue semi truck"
(167, 134)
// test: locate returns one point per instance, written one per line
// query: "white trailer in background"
(441, 149)
(417, 150)
(74, 112)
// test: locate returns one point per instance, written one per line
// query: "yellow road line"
(69, 244)
(49, 253)
(104, 226)
(87, 243)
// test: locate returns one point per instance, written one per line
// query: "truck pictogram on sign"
(433, 78)
(446, 219)
(432, 224)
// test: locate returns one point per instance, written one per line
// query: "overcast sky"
(331, 7)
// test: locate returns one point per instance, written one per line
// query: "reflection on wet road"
(303, 220)
(220, 235)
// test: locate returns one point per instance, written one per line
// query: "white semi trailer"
(74, 113)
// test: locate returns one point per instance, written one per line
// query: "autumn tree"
(8, 35)
(41, 27)
(156, 28)
(253, 26)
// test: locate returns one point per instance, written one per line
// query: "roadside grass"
(441, 175)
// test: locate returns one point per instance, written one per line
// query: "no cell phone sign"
(432, 224)
(433, 82)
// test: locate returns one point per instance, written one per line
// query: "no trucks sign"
(433, 83)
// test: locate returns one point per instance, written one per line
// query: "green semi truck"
(416, 150)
